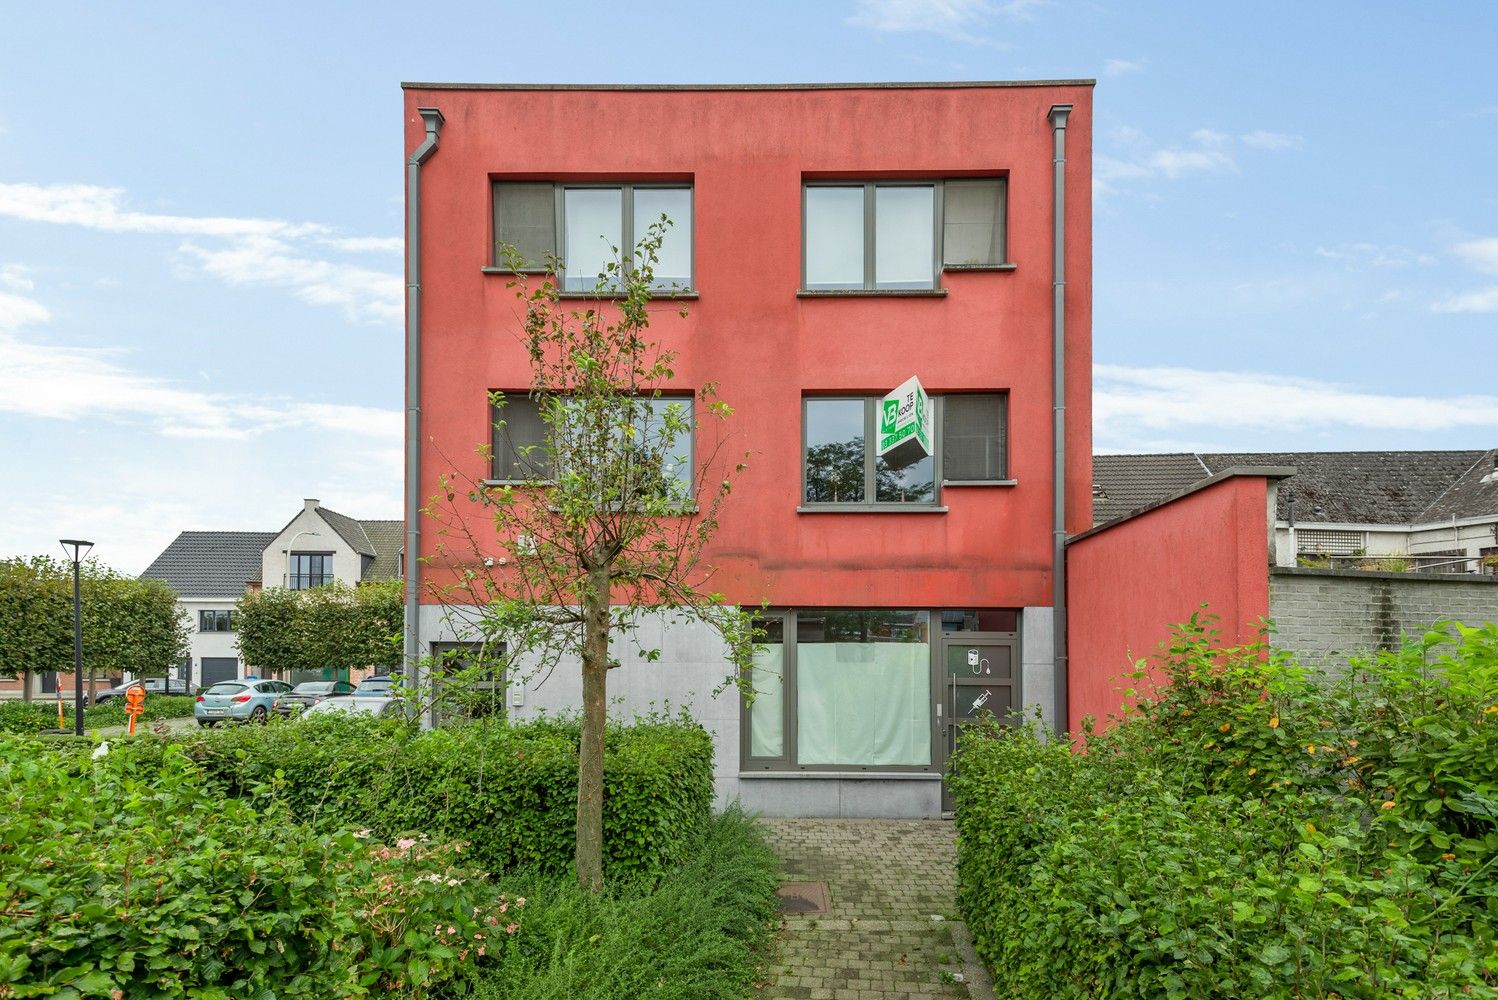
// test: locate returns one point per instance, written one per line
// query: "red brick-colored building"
(837, 240)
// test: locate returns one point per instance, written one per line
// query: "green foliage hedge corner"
(509, 791)
(36, 716)
(119, 883)
(1250, 829)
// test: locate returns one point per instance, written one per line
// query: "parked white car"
(356, 705)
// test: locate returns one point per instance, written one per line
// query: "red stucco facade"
(746, 153)
(1127, 583)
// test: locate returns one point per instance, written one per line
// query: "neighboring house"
(837, 240)
(1429, 511)
(212, 570)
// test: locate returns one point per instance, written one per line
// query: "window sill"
(867, 508)
(603, 296)
(663, 296)
(843, 775)
(979, 482)
(871, 293)
(980, 267)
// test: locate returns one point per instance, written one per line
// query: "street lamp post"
(291, 545)
(79, 549)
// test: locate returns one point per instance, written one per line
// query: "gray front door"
(219, 668)
(980, 676)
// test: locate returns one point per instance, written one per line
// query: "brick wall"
(1326, 615)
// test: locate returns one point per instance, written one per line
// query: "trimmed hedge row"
(37, 716)
(509, 791)
(1251, 829)
(116, 883)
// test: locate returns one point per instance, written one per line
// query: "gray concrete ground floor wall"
(1325, 616)
(693, 673)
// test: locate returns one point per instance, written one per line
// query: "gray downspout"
(411, 627)
(1057, 117)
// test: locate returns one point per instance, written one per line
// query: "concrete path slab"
(886, 880)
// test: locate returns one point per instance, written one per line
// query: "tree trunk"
(595, 716)
(93, 686)
(26, 686)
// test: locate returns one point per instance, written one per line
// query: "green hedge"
(1252, 829)
(510, 791)
(36, 716)
(115, 882)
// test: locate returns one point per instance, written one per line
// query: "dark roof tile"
(211, 564)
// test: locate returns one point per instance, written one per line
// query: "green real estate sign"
(905, 425)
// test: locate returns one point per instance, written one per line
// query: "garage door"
(219, 668)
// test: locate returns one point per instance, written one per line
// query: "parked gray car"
(310, 693)
(153, 685)
(249, 700)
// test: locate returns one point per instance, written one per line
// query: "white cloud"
(1482, 256)
(144, 457)
(1261, 139)
(269, 252)
(957, 19)
(1375, 255)
(16, 277)
(1135, 405)
(1121, 67)
(58, 382)
(1207, 151)
(362, 293)
(17, 311)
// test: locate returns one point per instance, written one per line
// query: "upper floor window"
(519, 444)
(899, 235)
(589, 226)
(841, 465)
(215, 621)
(310, 569)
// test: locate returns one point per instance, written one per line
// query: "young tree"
(268, 629)
(331, 627)
(36, 624)
(609, 520)
(130, 625)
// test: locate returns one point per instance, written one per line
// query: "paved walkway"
(877, 941)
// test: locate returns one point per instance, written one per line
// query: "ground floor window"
(842, 688)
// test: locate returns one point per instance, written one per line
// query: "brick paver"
(885, 880)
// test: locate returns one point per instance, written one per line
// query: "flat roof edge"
(915, 85)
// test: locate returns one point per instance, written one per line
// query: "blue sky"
(1296, 240)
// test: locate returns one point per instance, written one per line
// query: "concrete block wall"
(1325, 616)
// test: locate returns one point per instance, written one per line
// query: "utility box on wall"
(905, 419)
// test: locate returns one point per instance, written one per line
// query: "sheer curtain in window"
(864, 700)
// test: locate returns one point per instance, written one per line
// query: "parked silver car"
(376, 705)
(249, 700)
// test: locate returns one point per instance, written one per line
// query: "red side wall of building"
(1128, 583)
(747, 153)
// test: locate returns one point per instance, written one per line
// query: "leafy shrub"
(115, 883)
(1250, 829)
(36, 716)
(509, 791)
(697, 934)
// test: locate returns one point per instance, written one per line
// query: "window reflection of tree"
(834, 472)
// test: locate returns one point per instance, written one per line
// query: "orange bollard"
(135, 703)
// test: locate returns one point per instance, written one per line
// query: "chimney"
(310, 504)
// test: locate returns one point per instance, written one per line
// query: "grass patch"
(699, 933)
